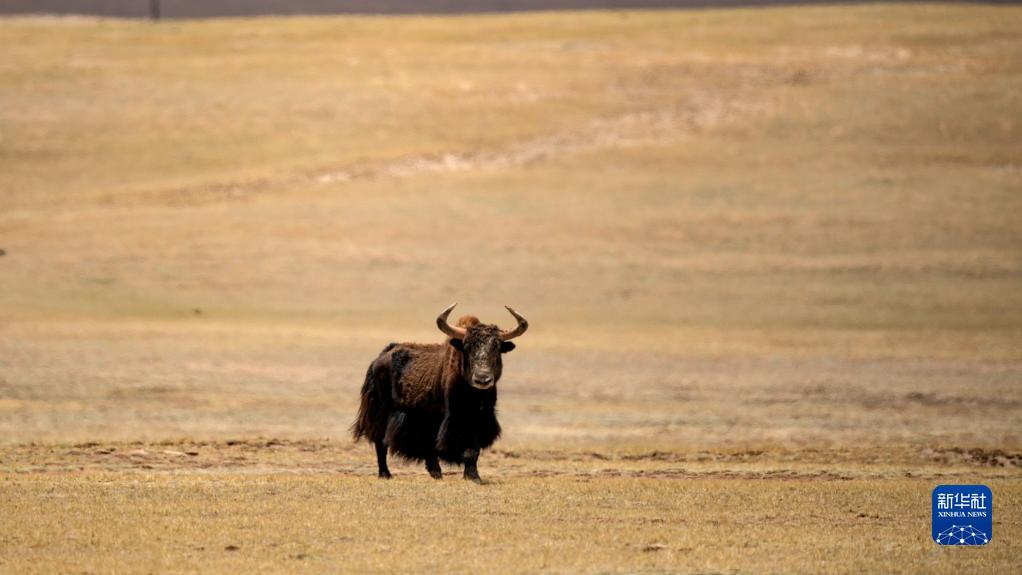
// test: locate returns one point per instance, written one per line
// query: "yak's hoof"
(436, 474)
(474, 478)
(385, 475)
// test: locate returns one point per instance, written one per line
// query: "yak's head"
(481, 345)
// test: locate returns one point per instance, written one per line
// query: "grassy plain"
(772, 260)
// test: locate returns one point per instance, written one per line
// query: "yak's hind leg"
(381, 459)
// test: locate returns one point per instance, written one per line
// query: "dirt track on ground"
(260, 456)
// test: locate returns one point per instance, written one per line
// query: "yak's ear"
(506, 346)
(458, 344)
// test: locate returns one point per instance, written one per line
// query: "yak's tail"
(371, 422)
(368, 407)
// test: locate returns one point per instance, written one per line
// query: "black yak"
(437, 401)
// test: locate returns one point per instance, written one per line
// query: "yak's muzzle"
(483, 381)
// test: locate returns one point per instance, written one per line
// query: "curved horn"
(523, 325)
(441, 322)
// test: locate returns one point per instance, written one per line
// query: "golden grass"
(850, 174)
(279, 505)
(323, 523)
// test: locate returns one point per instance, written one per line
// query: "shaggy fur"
(417, 400)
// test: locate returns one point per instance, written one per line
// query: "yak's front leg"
(443, 434)
(471, 456)
(381, 460)
(446, 437)
(433, 467)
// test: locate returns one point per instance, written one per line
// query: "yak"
(437, 401)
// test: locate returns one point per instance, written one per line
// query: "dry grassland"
(772, 260)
